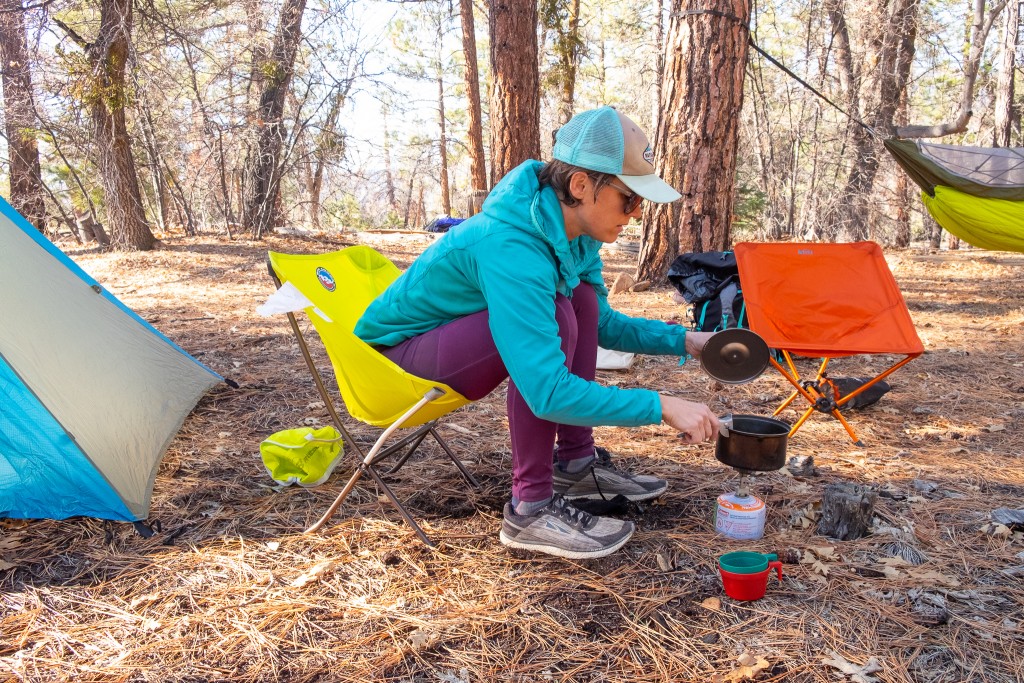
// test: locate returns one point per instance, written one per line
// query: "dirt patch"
(231, 589)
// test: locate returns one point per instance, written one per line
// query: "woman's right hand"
(694, 421)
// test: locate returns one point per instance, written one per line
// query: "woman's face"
(601, 214)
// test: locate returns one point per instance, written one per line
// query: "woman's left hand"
(695, 342)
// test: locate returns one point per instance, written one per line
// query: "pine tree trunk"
(659, 64)
(446, 197)
(1007, 115)
(891, 51)
(699, 133)
(389, 178)
(273, 77)
(108, 56)
(27, 194)
(515, 82)
(477, 161)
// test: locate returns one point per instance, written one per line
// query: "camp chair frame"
(377, 453)
(820, 394)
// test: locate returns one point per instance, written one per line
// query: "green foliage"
(749, 206)
(346, 213)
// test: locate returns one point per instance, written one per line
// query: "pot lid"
(734, 356)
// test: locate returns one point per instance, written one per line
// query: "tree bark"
(1007, 116)
(108, 57)
(699, 133)
(515, 82)
(27, 194)
(442, 143)
(273, 77)
(477, 160)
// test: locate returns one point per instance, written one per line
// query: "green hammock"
(975, 193)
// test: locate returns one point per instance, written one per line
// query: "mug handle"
(777, 566)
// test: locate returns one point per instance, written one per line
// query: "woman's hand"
(695, 342)
(694, 421)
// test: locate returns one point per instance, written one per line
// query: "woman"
(517, 291)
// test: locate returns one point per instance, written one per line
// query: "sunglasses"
(633, 200)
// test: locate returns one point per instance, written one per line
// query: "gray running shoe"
(604, 481)
(560, 529)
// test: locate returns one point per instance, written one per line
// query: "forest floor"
(232, 590)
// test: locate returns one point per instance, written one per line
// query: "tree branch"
(72, 34)
(980, 28)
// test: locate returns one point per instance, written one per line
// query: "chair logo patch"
(326, 279)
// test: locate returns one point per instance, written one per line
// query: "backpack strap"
(727, 296)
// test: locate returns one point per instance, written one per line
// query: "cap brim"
(651, 188)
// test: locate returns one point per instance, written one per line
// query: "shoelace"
(565, 511)
(603, 458)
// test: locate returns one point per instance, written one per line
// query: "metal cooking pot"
(751, 442)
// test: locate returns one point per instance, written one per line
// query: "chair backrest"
(342, 284)
(819, 299)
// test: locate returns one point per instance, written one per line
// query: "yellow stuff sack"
(303, 456)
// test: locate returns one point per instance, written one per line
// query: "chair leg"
(401, 508)
(466, 474)
(338, 501)
(367, 466)
(417, 438)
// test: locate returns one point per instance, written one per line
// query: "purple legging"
(462, 355)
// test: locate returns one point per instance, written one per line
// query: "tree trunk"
(1007, 113)
(477, 161)
(108, 57)
(326, 144)
(446, 197)
(262, 164)
(699, 133)
(515, 82)
(155, 168)
(934, 231)
(659, 65)
(389, 178)
(890, 52)
(27, 194)
(981, 24)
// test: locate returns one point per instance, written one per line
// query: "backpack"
(710, 282)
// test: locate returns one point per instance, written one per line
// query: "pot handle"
(724, 425)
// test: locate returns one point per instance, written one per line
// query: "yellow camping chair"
(375, 391)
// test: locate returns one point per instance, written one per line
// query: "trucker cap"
(604, 140)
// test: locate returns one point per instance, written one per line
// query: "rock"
(802, 466)
(641, 286)
(622, 283)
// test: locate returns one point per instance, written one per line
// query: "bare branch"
(72, 34)
(980, 28)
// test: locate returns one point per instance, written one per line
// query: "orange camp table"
(825, 301)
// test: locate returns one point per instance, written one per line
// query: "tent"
(90, 393)
(975, 193)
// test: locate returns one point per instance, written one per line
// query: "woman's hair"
(557, 174)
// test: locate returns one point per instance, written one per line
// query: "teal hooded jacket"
(512, 259)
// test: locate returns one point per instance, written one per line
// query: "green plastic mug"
(746, 562)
